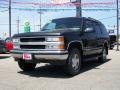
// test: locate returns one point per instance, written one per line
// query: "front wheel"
(73, 64)
(26, 66)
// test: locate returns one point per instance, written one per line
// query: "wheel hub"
(104, 54)
(75, 61)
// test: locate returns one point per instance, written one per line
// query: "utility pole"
(9, 18)
(78, 8)
(40, 18)
(18, 24)
(40, 15)
(117, 25)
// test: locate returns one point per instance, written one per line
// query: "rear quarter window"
(103, 29)
(97, 29)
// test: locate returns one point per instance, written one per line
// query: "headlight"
(16, 40)
(16, 46)
(55, 39)
(57, 43)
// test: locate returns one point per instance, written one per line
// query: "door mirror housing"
(88, 30)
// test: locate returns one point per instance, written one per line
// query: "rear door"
(89, 38)
(99, 37)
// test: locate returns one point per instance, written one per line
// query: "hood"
(32, 34)
(53, 33)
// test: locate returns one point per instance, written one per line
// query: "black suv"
(68, 41)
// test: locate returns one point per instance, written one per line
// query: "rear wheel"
(103, 57)
(73, 64)
(26, 66)
(111, 48)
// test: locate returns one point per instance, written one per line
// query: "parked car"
(112, 38)
(112, 41)
(2, 46)
(9, 44)
(67, 41)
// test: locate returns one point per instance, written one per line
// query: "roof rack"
(93, 19)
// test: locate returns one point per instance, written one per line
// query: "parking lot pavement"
(94, 76)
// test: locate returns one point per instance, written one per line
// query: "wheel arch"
(75, 44)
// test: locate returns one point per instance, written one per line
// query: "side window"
(97, 29)
(69, 23)
(103, 29)
(89, 25)
(50, 26)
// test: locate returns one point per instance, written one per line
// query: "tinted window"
(73, 24)
(88, 24)
(104, 30)
(50, 26)
(97, 29)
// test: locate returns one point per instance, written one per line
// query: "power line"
(54, 9)
(77, 3)
(3, 0)
(6, 24)
(107, 18)
(3, 10)
(3, 4)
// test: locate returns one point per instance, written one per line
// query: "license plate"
(27, 56)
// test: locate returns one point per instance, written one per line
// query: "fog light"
(55, 47)
(16, 46)
(16, 40)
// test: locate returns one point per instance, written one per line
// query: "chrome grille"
(32, 43)
(32, 46)
(42, 39)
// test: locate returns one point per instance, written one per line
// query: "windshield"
(63, 25)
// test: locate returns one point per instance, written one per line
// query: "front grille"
(39, 39)
(32, 43)
(32, 46)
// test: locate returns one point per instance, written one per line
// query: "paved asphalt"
(94, 76)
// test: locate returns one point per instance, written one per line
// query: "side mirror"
(88, 30)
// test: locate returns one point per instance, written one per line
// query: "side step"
(90, 59)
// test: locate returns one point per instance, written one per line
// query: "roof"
(87, 18)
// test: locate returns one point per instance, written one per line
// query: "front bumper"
(41, 55)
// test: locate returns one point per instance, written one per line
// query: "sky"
(106, 17)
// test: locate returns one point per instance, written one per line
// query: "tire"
(103, 56)
(26, 66)
(73, 65)
(111, 46)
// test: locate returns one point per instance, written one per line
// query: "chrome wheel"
(75, 61)
(73, 65)
(104, 54)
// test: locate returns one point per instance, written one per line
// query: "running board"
(90, 59)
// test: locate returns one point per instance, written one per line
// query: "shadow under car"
(53, 71)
